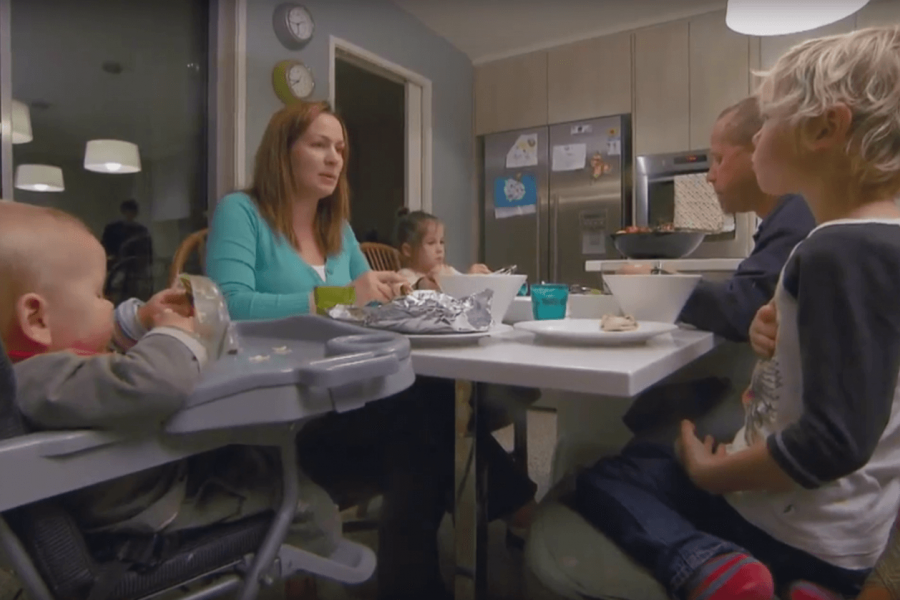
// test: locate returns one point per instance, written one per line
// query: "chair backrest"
(381, 257)
(194, 242)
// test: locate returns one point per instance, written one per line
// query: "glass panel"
(132, 71)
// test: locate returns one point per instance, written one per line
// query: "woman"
(268, 248)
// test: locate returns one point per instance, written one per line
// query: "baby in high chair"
(420, 240)
(80, 363)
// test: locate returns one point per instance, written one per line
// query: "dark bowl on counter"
(657, 244)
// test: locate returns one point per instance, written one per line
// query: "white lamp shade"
(112, 156)
(21, 123)
(39, 178)
(780, 17)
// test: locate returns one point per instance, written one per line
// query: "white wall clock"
(293, 25)
(292, 81)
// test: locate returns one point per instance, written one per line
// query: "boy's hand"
(764, 331)
(698, 457)
(173, 299)
(479, 269)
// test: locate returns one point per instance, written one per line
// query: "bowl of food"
(505, 288)
(658, 298)
(657, 242)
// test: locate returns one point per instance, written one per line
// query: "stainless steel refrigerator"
(552, 195)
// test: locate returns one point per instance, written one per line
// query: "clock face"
(300, 80)
(300, 23)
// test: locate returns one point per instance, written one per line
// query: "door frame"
(418, 147)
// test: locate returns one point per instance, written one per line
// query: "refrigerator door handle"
(554, 238)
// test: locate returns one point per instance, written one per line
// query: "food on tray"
(618, 323)
(665, 227)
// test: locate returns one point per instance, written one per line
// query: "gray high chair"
(286, 373)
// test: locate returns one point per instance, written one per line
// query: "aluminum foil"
(213, 325)
(424, 312)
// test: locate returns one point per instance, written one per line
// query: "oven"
(654, 203)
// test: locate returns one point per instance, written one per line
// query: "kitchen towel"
(697, 207)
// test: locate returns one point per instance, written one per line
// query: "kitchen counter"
(685, 265)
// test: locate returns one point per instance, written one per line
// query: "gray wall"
(384, 29)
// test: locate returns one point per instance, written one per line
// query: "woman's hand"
(479, 269)
(764, 331)
(377, 286)
(174, 300)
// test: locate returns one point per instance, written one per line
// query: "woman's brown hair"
(273, 177)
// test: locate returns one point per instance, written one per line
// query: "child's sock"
(732, 576)
(804, 590)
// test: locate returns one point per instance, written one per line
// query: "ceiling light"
(780, 17)
(112, 156)
(39, 178)
(21, 123)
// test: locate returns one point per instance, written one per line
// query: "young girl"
(420, 239)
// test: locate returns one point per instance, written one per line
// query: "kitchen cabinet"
(589, 79)
(772, 47)
(884, 12)
(661, 89)
(719, 65)
(511, 93)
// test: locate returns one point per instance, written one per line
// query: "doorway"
(387, 109)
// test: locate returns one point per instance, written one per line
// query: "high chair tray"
(321, 366)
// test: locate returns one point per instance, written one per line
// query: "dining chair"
(381, 257)
(195, 242)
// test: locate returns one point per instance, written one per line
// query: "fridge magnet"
(570, 157)
(582, 128)
(614, 146)
(524, 152)
(514, 196)
(599, 167)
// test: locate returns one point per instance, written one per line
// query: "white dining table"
(514, 357)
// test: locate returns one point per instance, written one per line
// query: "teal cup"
(548, 301)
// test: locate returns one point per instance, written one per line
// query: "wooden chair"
(381, 257)
(196, 242)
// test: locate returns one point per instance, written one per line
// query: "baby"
(58, 330)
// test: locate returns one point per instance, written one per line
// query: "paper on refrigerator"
(524, 153)
(571, 157)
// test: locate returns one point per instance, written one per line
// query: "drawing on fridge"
(553, 195)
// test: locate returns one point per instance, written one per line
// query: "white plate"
(587, 332)
(453, 339)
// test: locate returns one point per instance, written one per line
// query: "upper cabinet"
(719, 64)
(772, 47)
(883, 12)
(661, 89)
(590, 79)
(511, 93)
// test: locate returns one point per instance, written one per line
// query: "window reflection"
(125, 71)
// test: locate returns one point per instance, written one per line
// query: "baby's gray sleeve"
(142, 387)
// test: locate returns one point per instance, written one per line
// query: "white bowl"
(519, 310)
(652, 297)
(505, 288)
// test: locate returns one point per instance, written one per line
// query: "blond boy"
(803, 500)
(57, 327)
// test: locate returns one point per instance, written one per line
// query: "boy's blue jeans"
(644, 501)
